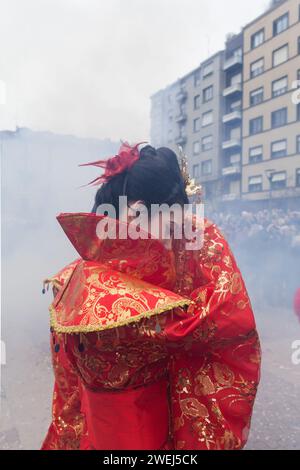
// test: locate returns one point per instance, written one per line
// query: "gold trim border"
(94, 328)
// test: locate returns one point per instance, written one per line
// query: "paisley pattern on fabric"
(96, 298)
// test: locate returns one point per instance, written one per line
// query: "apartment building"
(234, 115)
(271, 120)
(232, 118)
(187, 114)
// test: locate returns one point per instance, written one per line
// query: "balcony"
(181, 139)
(181, 96)
(232, 90)
(181, 117)
(232, 116)
(232, 170)
(232, 143)
(229, 197)
(233, 61)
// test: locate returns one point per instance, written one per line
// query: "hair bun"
(148, 151)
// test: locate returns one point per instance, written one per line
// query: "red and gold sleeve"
(58, 280)
(215, 356)
(66, 426)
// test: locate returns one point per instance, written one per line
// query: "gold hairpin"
(191, 188)
(183, 163)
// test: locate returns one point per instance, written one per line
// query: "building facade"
(271, 118)
(232, 118)
(187, 114)
(236, 116)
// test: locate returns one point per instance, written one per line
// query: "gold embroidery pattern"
(96, 298)
(210, 351)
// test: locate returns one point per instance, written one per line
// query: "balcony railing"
(230, 197)
(232, 116)
(233, 61)
(181, 117)
(231, 170)
(181, 139)
(181, 95)
(233, 89)
(228, 144)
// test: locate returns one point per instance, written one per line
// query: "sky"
(89, 67)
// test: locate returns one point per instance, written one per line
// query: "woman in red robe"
(154, 346)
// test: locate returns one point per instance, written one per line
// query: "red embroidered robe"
(152, 348)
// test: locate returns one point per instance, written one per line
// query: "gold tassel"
(98, 342)
(81, 345)
(157, 326)
(117, 339)
(45, 283)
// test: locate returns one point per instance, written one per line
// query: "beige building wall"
(165, 129)
(291, 130)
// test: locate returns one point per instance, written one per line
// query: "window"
(281, 24)
(208, 69)
(256, 125)
(197, 78)
(207, 143)
(279, 149)
(257, 39)
(298, 144)
(279, 117)
(255, 184)
(207, 118)
(298, 112)
(206, 167)
(208, 94)
(257, 68)
(197, 102)
(298, 177)
(256, 154)
(278, 180)
(279, 87)
(256, 96)
(197, 125)
(280, 55)
(196, 173)
(298, 45)
(196, 148)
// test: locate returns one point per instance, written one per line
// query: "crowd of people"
(266, 245)
(263, 226)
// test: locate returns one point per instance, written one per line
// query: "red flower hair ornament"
(117, 164)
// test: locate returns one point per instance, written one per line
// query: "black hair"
(155, 178)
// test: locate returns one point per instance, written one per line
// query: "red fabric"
(145, 258)
(209, 354)
(138, 412)
(113, 166)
